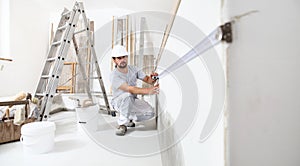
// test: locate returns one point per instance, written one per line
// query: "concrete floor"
(90, 143)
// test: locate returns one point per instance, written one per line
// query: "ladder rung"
(56, 43)
(103, 107)
(81, 48)
(95, 77)
(62, 27)
(45, 76)
(96, 92)
(79, 31)
(39, 94)
(88, 63)
(66, 13)
(51, 59)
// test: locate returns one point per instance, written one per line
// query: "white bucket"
(38, 137)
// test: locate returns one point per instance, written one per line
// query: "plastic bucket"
(38, 137)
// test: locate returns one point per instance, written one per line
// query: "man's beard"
(122, 65)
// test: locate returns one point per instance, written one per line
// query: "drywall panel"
(263, 84)
(186, 94)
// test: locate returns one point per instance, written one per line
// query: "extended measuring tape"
(223, 33)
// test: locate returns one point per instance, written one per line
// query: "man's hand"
(154, 90)
(152, 81)
(149, 80)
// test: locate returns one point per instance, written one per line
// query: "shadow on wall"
(170, 148)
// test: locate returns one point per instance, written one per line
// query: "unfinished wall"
(263, 84)
(187, 92)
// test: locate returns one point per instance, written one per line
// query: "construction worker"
(124, 88)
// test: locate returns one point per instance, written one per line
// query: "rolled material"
(17, 97)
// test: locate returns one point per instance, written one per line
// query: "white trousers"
(132, 108)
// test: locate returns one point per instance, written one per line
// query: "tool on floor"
(63, 37)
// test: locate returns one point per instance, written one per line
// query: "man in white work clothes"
(123, 80)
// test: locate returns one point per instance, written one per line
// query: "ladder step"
(45, 76)
(56, 43)
(66, 13)
(39, 94)
(95, 77)
(51, 59)
(79, 31)
(103, 107)
(62, 27)
(81, 48)
(96, 92)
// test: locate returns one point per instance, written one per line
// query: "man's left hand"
(151, 76)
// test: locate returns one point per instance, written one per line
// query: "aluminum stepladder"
(49, 79)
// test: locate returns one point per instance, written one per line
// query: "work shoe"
(121, 130)
(131, 124)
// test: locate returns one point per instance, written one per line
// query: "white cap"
(118, 51)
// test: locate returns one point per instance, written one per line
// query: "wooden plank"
(132, 45)
(11, 103)
(113, 31)
(5, 59)
(127, 31)
(71, 87)
(166, 34)
(73, 80)
(113, 40)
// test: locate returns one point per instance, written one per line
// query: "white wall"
(29, 36)
(190, 86)
(4, 29)
(263, 84)
(28, 42)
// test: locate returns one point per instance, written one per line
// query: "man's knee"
(126, 96)
(145, 116)
(123, 102)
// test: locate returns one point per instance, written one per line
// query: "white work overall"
(131, 108)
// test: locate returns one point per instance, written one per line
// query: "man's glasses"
(121, 57)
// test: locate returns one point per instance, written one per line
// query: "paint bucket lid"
(37, 128)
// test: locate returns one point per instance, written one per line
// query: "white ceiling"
(135, 5)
